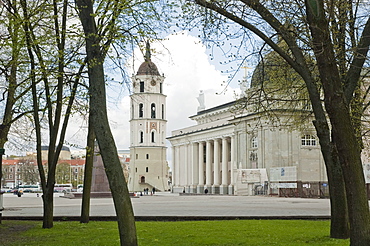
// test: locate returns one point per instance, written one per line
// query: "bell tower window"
(153, 139)
(141, 137)
(141, 86)
(141, 110)
(153, 110)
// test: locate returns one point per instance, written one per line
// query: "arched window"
(141, 110)
(153, 139)
(141, 135)
(142, 179)
(152, 107)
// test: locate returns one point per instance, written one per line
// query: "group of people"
(146, 191)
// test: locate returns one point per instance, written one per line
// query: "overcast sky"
(187, 69)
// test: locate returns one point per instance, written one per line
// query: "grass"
(232, 232)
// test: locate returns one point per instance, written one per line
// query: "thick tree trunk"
(85, 210)
(48, 201)
(343, 133)
(339, 226)
(117, 183)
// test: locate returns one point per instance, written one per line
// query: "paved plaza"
(168, 204)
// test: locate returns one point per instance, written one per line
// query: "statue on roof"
(200, 98)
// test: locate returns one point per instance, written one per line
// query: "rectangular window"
(141, 86)
(137, 156)
(254, 142)
(308, 140)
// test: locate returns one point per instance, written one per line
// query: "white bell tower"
(148, 162)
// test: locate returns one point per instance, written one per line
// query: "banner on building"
(252, 176)
(283, 185)
(278, 174)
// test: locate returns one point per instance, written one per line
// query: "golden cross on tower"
(245, 67)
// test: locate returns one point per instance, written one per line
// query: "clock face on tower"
(153, 83)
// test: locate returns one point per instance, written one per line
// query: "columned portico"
(205, 164)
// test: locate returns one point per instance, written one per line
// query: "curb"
(172, 218)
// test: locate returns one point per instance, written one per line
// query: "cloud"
(185, 64)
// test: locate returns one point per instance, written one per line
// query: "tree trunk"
(344, 135)
(48, 201)
(85, 210)
(339, 226)
(117, 183)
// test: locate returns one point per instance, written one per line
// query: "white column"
(200, 186)
(186, 166)
(194, 167)
(216, 167)
(174, 168)
(232, 165)
(225, 159)
(177, 174)
(208, 164)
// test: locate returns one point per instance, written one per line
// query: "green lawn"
(232, 232)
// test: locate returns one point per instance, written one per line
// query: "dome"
(148, 68)
(274, 71)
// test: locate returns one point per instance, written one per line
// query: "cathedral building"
(261, 143)
(148, 163)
